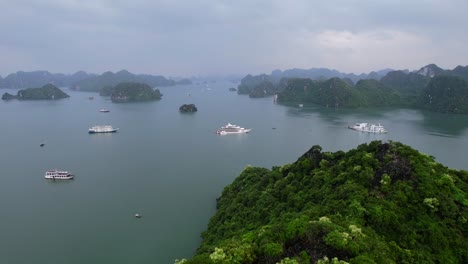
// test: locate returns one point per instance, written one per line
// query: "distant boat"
(58, 175)
(102, 129)
(104, 110)
(42, 144)
(301, 105)
(137, 215)
(232, 129)
(366, 127)
(91, 98)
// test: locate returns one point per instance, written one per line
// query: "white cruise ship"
(102, 129)
(58, 175)
(366, 127)
(232, 129)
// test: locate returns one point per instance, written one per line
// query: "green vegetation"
(397, 88)
(134, 92)
(333, 92)
(257, 86)
(188, 108)
(46, 92)
(446, 94)
(110, 79)
(378, 203)
(442, 93)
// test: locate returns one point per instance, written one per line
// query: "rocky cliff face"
(430, 70)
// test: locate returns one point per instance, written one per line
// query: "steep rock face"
(405, 82)
(188, 108)
(256, 86)
(378, 203)
(334, 92)
(46, 92)
(134, 92)
(446, 94)
(375, 93)
(430, 70)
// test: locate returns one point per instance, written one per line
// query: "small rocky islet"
(188, 108)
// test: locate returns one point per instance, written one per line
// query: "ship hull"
(222, 132)
(59, 178)
(99, 132)
(368, 131)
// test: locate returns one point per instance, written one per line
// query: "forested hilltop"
(46, 92)
(430, 88)
(96, 83)
(378, 203)
(133, 92)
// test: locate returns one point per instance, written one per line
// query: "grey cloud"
(208, 36)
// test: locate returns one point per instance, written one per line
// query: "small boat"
(137, 216)
(102, 129)
(91, 98)
(301, 105)
(232, 129)
(104, 110)
(58, 175)
(366, 127)
(42, 144)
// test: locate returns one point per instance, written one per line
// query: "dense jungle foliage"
(134, 92)
(446, 94)
(46, 92)
(378, 203)
(419, 89)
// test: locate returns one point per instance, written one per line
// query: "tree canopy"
(134, 92)
(378, 203)
(46, 92)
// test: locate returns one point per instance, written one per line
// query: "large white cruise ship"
(366, 127)
(102, 129)
(232, 129)
(58, 175)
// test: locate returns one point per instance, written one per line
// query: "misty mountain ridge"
(446, 91)
(96, 83)
(325, 73)
(429, 70)
(82, 80)
(23, 80)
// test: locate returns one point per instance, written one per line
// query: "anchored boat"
(58, 175)
(366, 127)
(102, 129)
(232, 129)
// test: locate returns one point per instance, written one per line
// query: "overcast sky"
(200, 37)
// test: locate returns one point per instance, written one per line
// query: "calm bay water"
(167, 166)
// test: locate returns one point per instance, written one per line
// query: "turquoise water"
(167, 166)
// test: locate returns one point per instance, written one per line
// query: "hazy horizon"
(218, 38)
